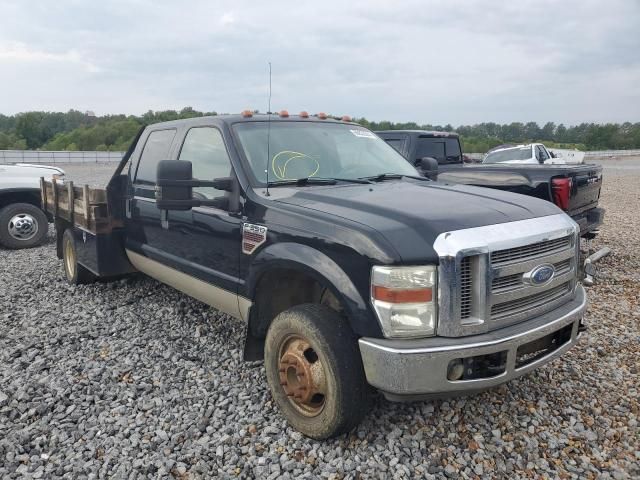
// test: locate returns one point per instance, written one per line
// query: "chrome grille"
(509, 281)
(465, 288)
(513, 298)
(534, 301)
(515, 280)
(528, 252)
(485, 273)
(563, 267)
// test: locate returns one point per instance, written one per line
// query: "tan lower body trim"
(217, 297)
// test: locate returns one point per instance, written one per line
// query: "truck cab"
(304, 228)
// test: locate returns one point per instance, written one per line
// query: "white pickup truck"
(532, 153)
(23, 223)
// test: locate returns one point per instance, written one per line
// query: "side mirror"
(428, 167)
(224, 183)
(174, 185)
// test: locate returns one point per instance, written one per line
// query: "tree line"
(75, 130)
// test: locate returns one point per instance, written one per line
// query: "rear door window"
(445, 150)
(156, 148)
(204, 147)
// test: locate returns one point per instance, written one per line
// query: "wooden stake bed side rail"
(85, 206)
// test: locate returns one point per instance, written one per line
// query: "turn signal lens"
(404, 300)
(402, 296)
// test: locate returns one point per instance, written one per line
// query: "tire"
(22, 225)
(316, 342)
(75, 273)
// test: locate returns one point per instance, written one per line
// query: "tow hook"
(582, 327)
(589, 267)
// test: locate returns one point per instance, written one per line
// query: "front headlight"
(404, 299)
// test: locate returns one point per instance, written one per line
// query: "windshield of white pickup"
(313, 149)
(499, 156)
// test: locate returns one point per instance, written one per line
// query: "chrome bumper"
(403, 369)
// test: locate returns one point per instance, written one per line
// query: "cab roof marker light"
(321, 115)
(304, 114)
(247, 113)
(283, 113)
(346, 118)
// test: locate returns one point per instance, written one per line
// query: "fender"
(21, 193)
(325, 271)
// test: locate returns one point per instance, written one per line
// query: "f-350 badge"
(252, 237)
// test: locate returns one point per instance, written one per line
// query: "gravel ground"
(132, 378)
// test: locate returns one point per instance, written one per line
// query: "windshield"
(313, 149)
(442, 149)
(520, 153)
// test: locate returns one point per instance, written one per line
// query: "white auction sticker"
(363, 133)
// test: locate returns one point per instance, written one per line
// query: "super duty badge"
(252, 237)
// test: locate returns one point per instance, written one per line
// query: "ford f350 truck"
(305, 228)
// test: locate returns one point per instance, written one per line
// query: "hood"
(26, 176)
(410, 214)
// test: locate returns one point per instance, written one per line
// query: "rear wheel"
(22, 225)
(315, 372)
(76, 274)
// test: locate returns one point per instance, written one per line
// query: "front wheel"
(315, 372)
(22, 225)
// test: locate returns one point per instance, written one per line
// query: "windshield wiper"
(393, 176)
(303, 181)
(317, 181)
(354, 180)
(383, 176)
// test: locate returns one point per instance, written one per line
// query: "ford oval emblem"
(540, 275)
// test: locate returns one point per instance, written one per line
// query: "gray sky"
(455, 62)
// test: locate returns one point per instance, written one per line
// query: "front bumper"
(408, 369)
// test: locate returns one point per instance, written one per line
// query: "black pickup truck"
(305, 228)
(573, 188)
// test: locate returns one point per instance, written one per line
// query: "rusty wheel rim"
(302, 375)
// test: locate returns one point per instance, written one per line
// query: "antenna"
(268, 131)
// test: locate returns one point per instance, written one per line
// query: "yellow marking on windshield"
(280, 170)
